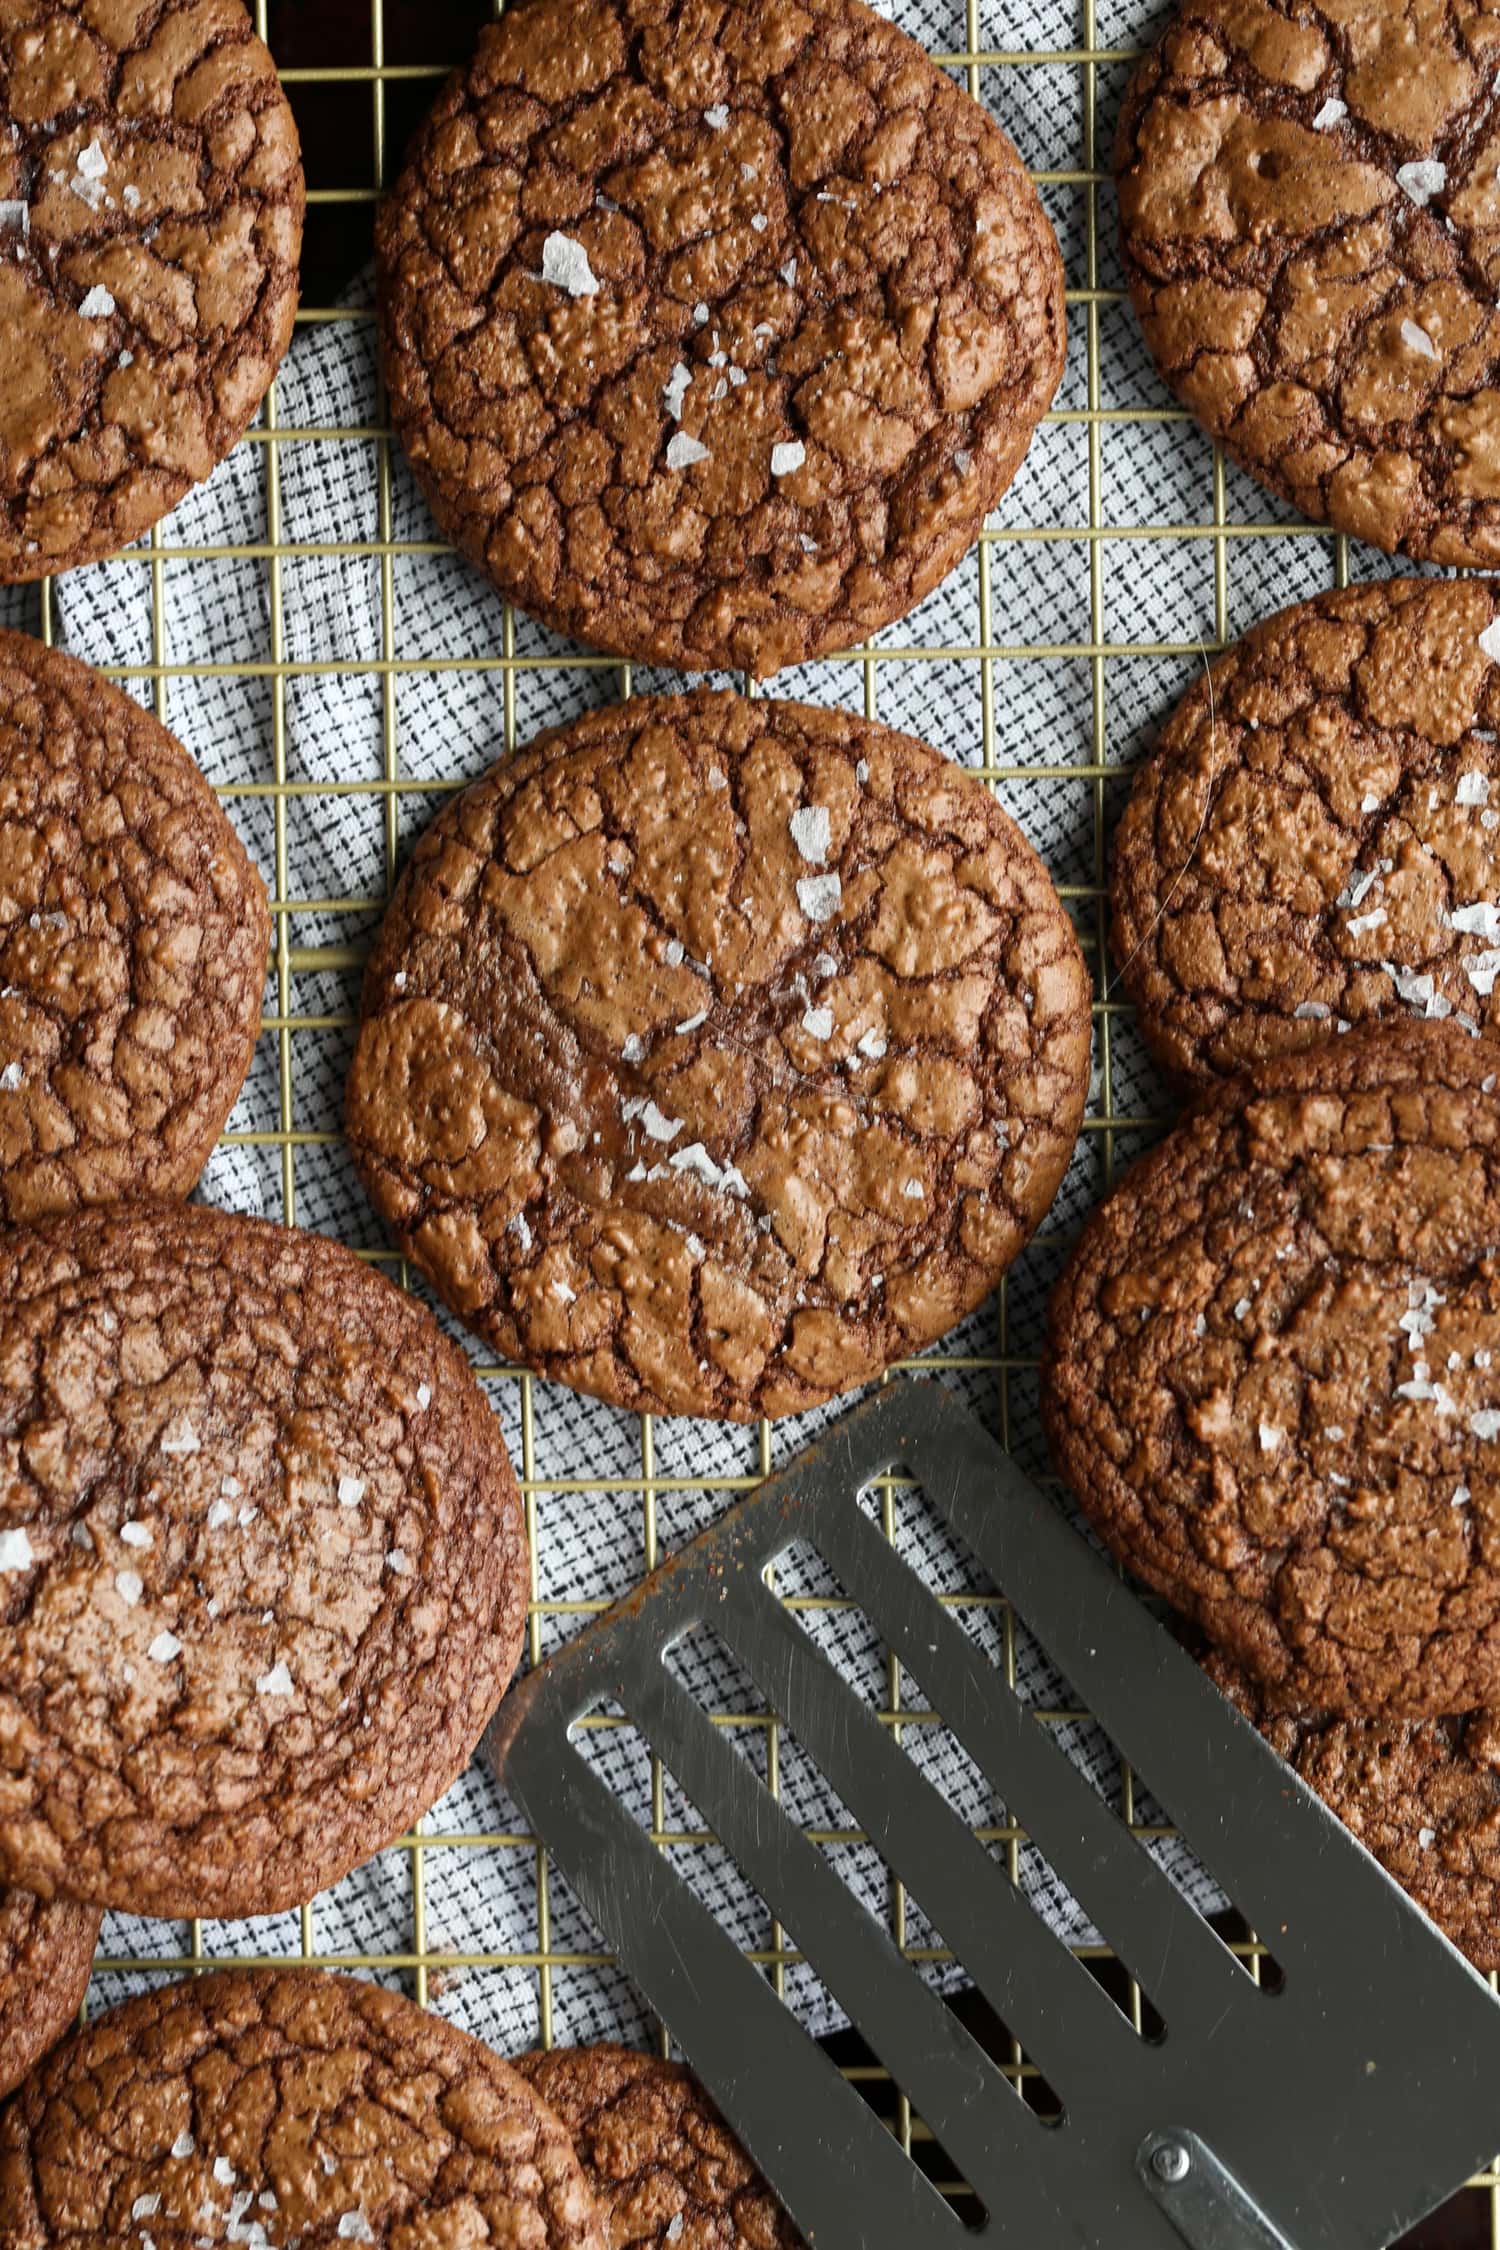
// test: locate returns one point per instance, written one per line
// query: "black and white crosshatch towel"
(398, 668)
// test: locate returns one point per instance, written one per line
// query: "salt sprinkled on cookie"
(1422, 180)
(819, 896)
(811, 831)
(565, 263)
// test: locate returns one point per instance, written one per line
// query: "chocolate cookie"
(713, 336)
(262, 1563)
(663, 2165)
(280, 2107)
(716, 1053)
(133, 941)
(1312, 843)
(151, 207)
(1309, 235)
(1422, 1794)
(1273, 1371)
(46, 1952)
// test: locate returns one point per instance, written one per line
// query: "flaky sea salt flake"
(565, 263)
(684, 451)
(276, 1682)
(819, 896)
(810, 829)
(1332, 113)
(98, 304)
(788, 456)
(15, 1551)
(1423, 179)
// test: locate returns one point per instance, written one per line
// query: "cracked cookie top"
(1311, 235)
(663, 2165)
(1422, 1794)
(1315, 840)
(283, 2107)
(46, 1953)
(262, 1563)
(1272, 1377)
(133, 940)
(714, 333)
(151, 204)
(715, 1053)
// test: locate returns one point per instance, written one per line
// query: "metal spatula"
(1328, 2113)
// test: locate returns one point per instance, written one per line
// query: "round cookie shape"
(133, 940)
(151, 204)
(1308, 233)
(1422, 1794)
(1314, 842)
(716, 1053)
(713, 337)
(46, 1953)
(1272, 1373)
(660, 2160)
(262, 1561)
(284, 2106)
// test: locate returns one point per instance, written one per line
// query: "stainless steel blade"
(1374, 2067)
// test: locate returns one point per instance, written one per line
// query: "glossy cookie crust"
(151, 203)
(262, 1562)
(134, 932)
(663, 2165)
(1272, 1376)
(714, 335)
(1310, 235)
(1314, 842)
(277, 2107)
(715, 1053)
(46, 1952)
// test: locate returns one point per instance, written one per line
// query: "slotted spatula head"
(1328, 2113)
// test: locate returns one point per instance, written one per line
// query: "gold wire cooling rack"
(985, 661)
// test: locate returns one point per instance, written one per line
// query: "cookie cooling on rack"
(46, 1953)
(151, 204)
(661, 2162)
(277, 2107)
(1310, 237)
(1272, 1375)
(714, 336)
(133, 940)
(262, 1564)
(1314, 842)
(716, 1053)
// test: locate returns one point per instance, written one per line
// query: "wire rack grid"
(1135, 509)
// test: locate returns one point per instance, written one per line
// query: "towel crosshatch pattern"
(338, 674)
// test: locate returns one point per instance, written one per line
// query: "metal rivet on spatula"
(1171, 2162)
